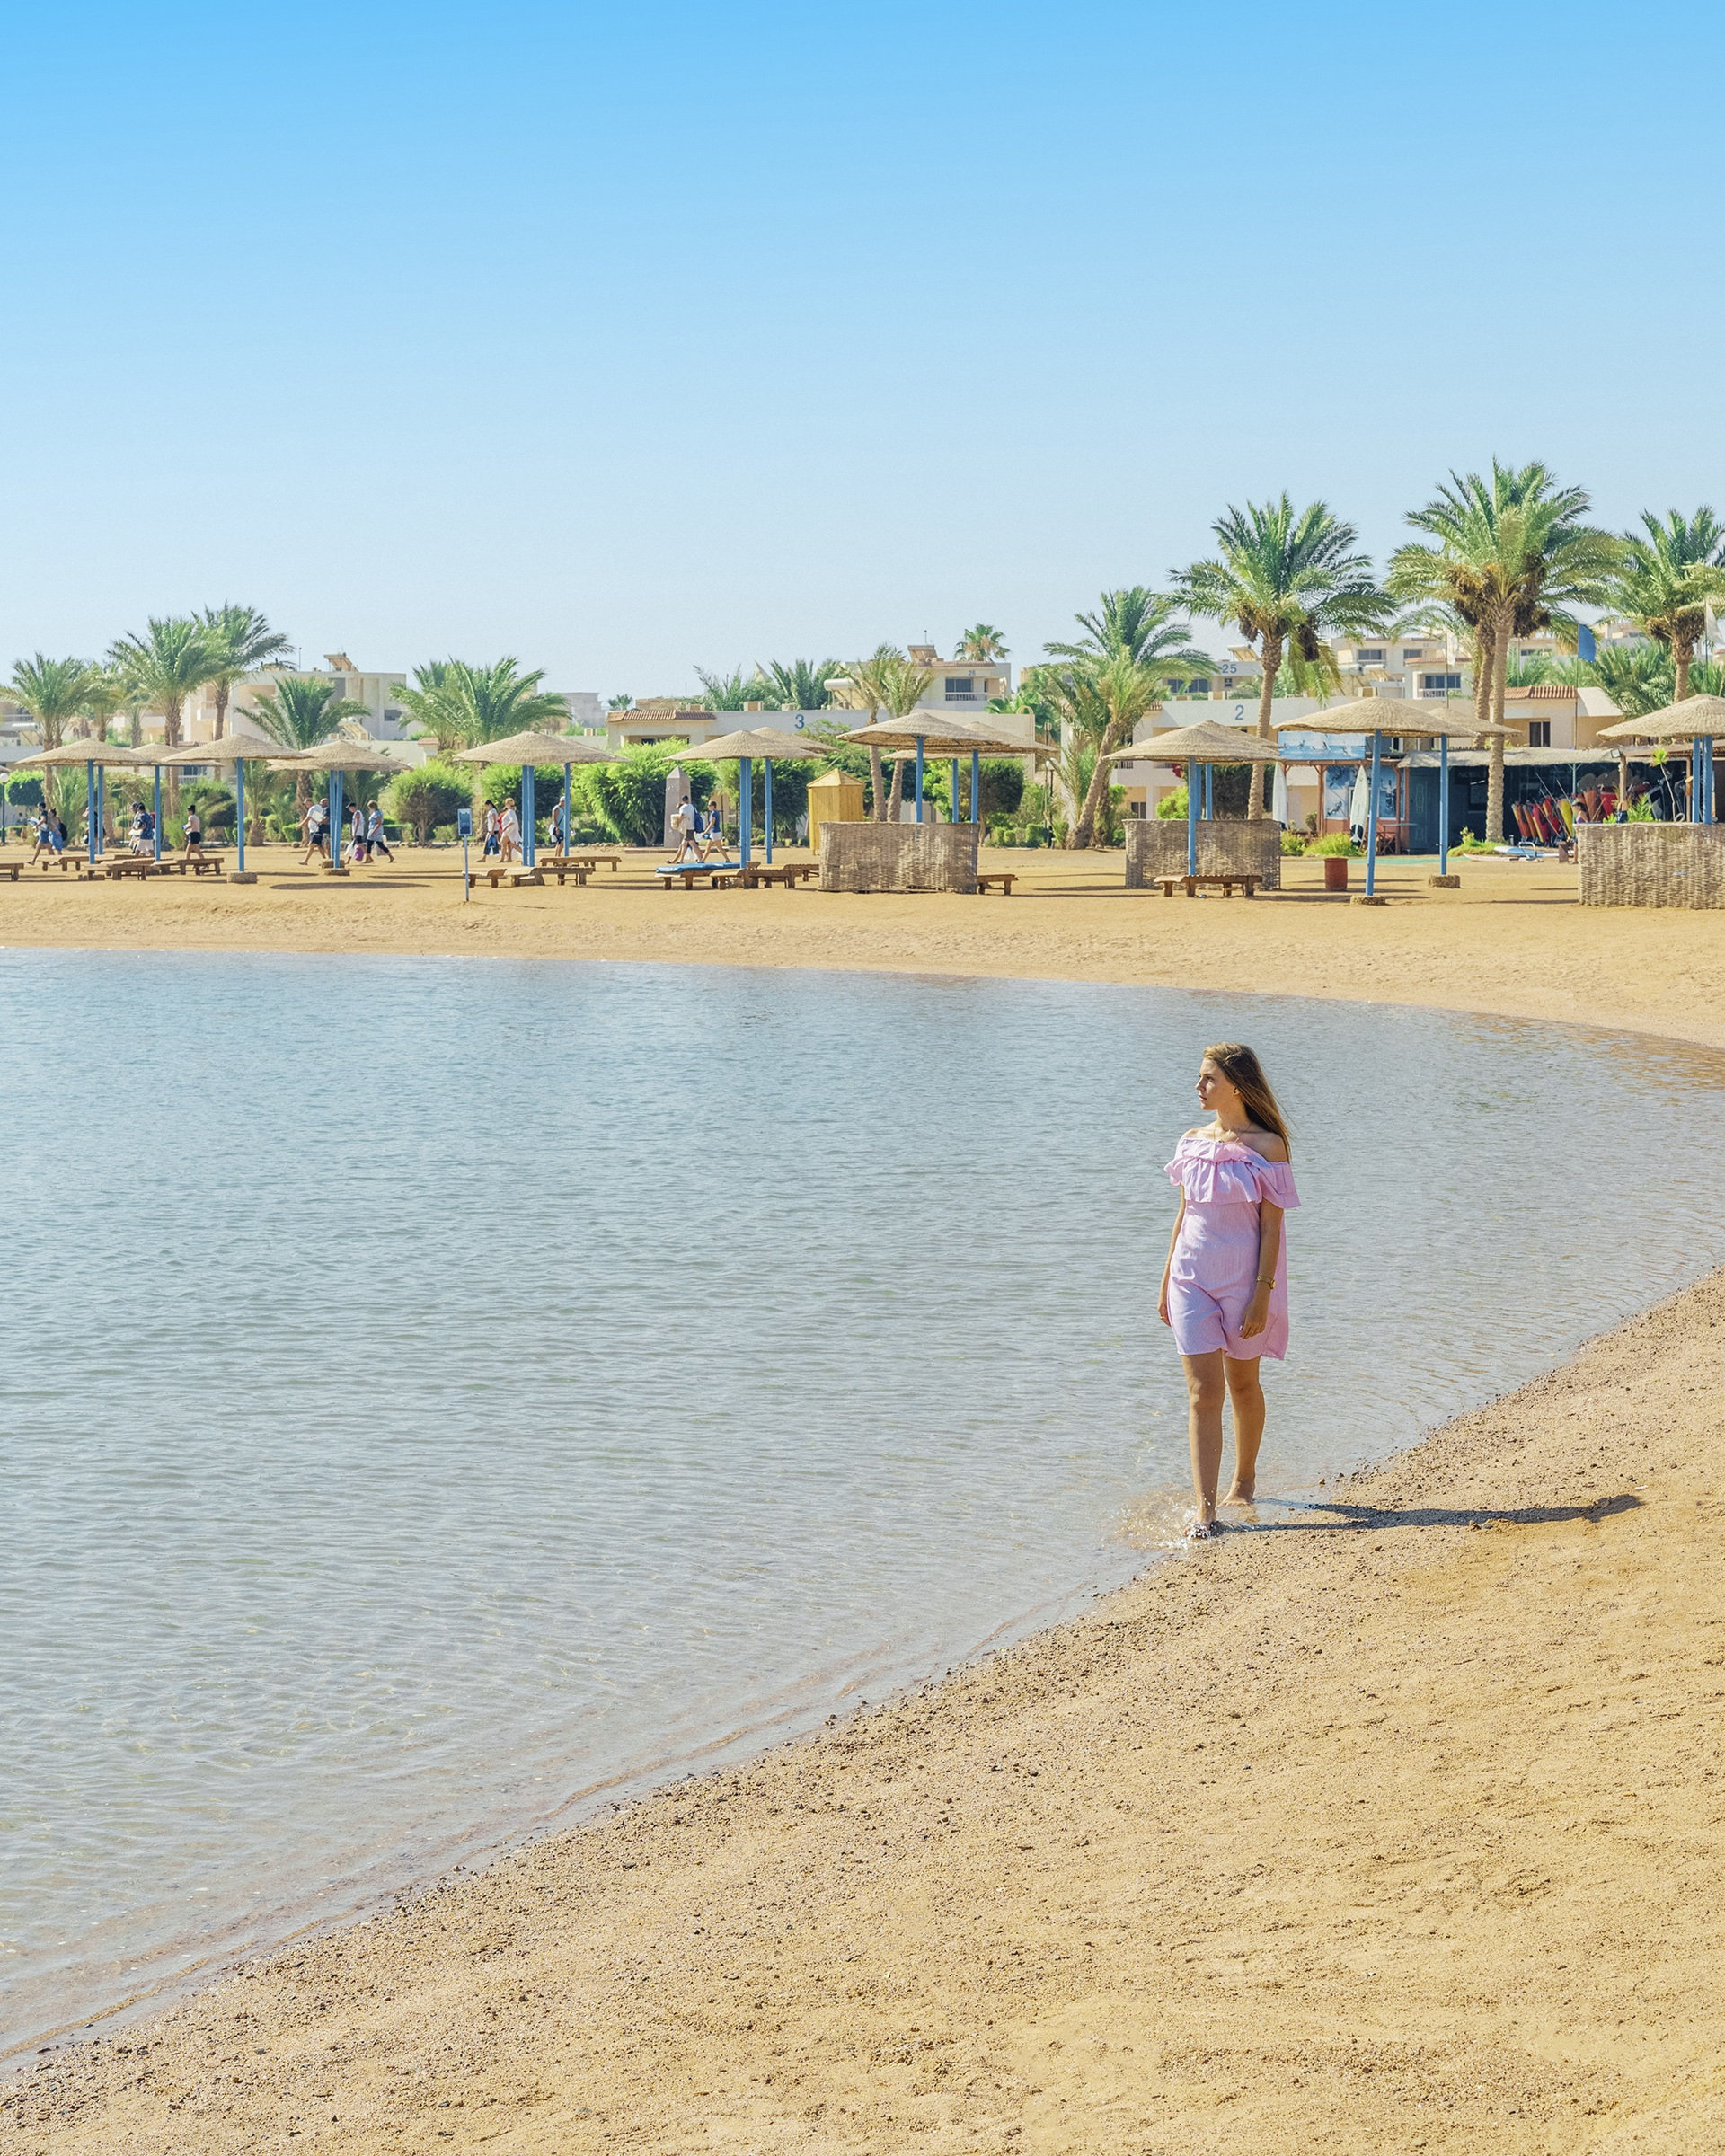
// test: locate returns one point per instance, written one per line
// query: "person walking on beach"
(511, 832)
(357, 837)
(493, 828)
(375, 843)
(1224, 1285)
(193, 833)
(316, 817)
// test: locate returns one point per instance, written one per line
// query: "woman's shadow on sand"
(1330, 1516)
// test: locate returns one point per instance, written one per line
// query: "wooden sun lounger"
(1171, 884)
(113, 868)
(789, 872)
(561, 865)
(987, 879)
(72, 858)
(721, 874)
(579, 861)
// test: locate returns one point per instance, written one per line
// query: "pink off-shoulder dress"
(1214, 1268)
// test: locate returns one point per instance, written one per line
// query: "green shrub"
(1292, 842)
(432, 794)
(1335, 843)
(630, 793)
(1172, 808)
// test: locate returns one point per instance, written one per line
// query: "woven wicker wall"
(898, 857)
(1156, 846)
(1652, 864)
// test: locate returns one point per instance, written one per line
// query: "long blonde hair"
(1244, 1071)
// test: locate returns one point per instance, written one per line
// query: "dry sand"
(1395, 1824)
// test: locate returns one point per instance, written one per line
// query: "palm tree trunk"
(1683, 653)
(896, 794)
(221, 708)
(1270, 652)
(1500, 691)
(877, 784)
(1083, 832)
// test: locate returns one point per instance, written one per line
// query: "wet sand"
(1395, 1822)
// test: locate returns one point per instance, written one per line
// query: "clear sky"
(627, 339)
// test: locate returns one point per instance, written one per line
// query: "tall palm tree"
(1668, 579)
(171, 660)
(1516, 557)
(300, 713)
(888, 682)
(800, 684)
(244, 641)
(731, 691)
(982, 642)
(52, 690)
(434, 706)
(1292, 579)
(104, 695)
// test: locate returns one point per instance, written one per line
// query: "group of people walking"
(364, 839)
(696, 833)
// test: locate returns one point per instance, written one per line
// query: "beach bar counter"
(1669, 864)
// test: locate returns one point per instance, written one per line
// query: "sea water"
(441, 1392)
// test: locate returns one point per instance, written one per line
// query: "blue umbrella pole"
(767, 765)
(1443, 804)
(976, 789)
(92, 829)
(563, 847)
(239, 811)
(158, 813)
(745, 808)
(529, 813)
(1194, 784)
(1371, 820)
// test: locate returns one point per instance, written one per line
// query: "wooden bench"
(1171, 884)
(581, 860)
(721, 874)
(110, 868)
(788, 872)
(72, 858)
(563, 865)
(196, 864)
(515, 872)
(1004, 878)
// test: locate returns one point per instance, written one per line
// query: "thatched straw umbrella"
(526, 750)
(334, 756)
(96, 756)
(237, 750)
(1199, 748)
(751, 745)
(1697, 720)
(944, 734)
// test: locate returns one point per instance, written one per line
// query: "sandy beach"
(1392, 1823)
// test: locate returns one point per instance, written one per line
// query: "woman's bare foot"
(1241, 1493)
(1200, 1530)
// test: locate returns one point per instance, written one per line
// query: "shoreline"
(1359, 1807)
(101, 2099)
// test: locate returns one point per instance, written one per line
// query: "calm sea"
(438, 1392)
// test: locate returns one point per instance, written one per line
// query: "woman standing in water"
(1225, 1286)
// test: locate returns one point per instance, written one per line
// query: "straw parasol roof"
(232, 748)
(943, 735)
(1695, 716)
(1207, 742)
(337, 754)
(536, 749)
(759, 743)
(110, 754)
(1405, 715)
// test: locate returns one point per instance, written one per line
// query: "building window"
(1439, 684)
(1371, 658)
(1202, 687)
(1419, 652)
(960, 684)
(1539, 733)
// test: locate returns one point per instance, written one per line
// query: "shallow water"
(440, 1390)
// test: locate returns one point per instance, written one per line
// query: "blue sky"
(632, 338)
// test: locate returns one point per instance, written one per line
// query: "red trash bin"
(1335, 871)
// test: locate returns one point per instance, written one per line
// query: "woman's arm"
(1167, 1266)
(1269, 1243)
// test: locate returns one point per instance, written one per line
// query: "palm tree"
(298, 712)
(800, 685)
(434, 705)
(1514, 557)
(52, 690)
(104, 695)
(731, 691)
(1291, 580)
(1100, 699)
(890, 682)
(1637, 677)
(1668, 581)
(169, 662)
(244, 641)
(982, 643)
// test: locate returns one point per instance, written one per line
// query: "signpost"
(464, 830)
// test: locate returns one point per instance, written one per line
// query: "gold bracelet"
(1263, 1283)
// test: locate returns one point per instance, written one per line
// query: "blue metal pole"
(91, 830)
(975, 786)
(564, 846)
(919, 778)
(529, 813)
(1707, 778)
(158, 812)
(1194, 785)
(335, 820)
(744, 807)
(1371, 820)
(767, 761)
(1209, 793)
(1443, 804)
(955, 789)
(239, 809)
(101, 807)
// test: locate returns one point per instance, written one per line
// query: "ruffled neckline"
(1223, 1149)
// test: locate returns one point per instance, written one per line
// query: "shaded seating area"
(526, 752)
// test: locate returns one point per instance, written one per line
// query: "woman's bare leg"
(1246, 1397)
(1206, 1390)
